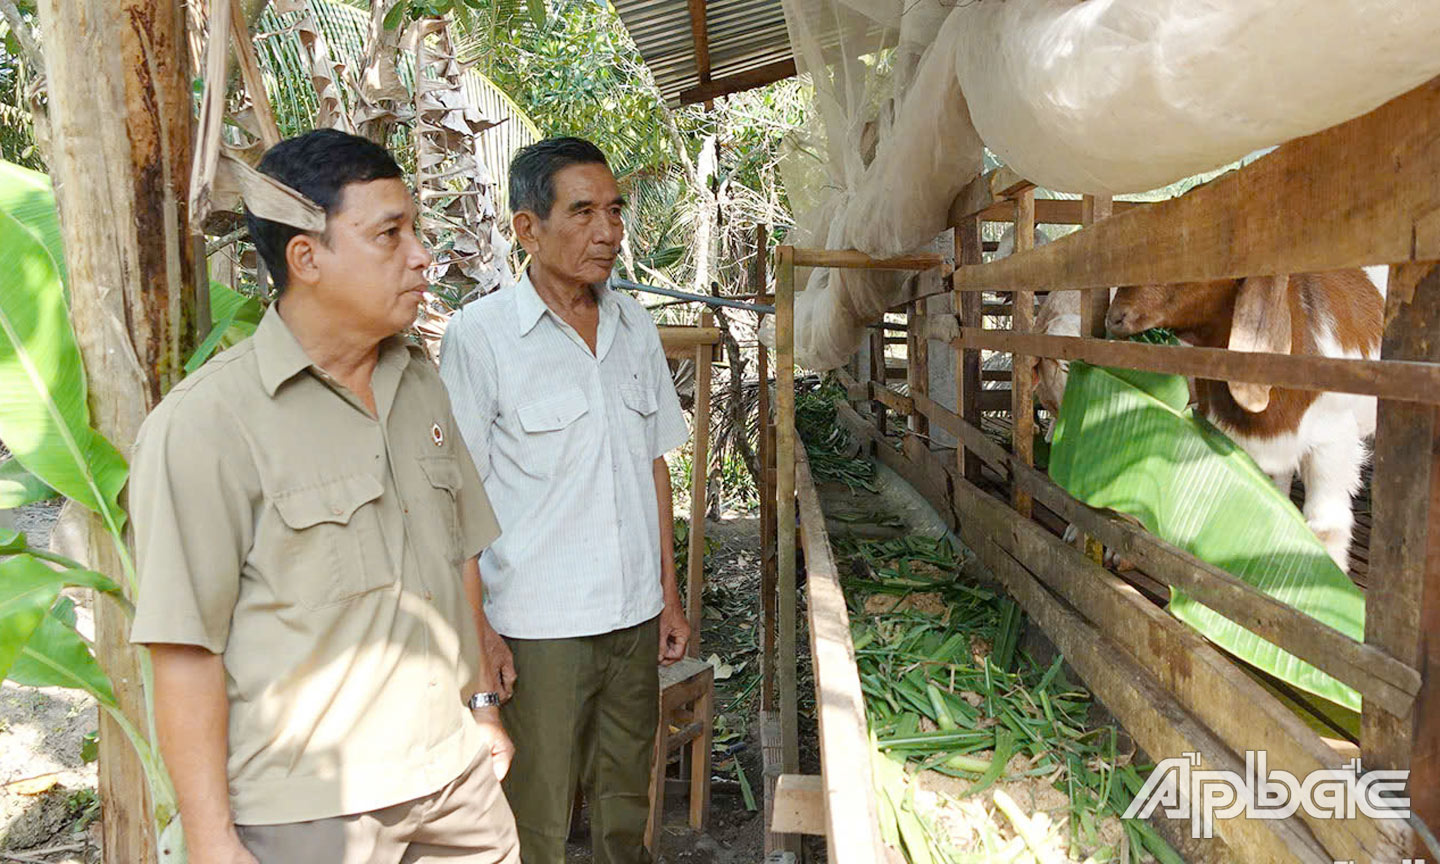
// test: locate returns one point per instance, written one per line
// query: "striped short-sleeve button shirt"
(565, 441)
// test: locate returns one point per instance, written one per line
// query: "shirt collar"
(282, 357)
(529, 308)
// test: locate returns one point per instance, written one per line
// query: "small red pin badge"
(437, 435)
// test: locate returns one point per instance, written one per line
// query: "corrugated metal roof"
(742, 35)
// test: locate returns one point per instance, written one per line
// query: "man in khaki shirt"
(304, 507)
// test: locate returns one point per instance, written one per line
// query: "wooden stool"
(687, 703)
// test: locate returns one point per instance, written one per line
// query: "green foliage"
(1126, 441)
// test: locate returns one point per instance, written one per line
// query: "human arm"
(674, 626)
(192, 714)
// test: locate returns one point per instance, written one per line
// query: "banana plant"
(45, 422)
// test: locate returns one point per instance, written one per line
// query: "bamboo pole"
(785, 443)
(120, 107)
(699, 470)
(766, 446)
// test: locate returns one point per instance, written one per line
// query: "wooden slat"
(686, 338)
(876, 379)
(891, 399)
(788, 660)
(1390, 379)
(799, 805)
(700, 39)
(1050, 211)
(917, 365)
(1095, 302)
(739, 82)
(767, 491)
(1383, 166)
(699, 472)
(849, 259)
(851, 815)
(967, 363)
(1022, 382)
(1402, 613)
(985, 191)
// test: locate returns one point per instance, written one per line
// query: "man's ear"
(524, 224)
(300, 259)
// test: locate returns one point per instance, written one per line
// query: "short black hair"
(533, 170)
(319, 165)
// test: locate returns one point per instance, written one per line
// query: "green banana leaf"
(19, 487)
(58, 656)
(236, 316)
(44, 419)
(27, 591)
(1126, 441)
(28, 196)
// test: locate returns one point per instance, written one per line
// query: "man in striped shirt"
(562, 394)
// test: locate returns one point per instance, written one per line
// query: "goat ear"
(1261, 324)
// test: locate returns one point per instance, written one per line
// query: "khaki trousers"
(584, 711)
(467, 822)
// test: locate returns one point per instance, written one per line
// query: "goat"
(1321, 434)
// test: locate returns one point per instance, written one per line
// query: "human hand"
(674, 633)
(502, 749)
(500, 660)
(226, 849)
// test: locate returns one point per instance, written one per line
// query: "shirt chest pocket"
(443, 474)
(640, 408)
(547, 429)
(332, 545)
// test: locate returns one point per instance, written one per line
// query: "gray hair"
(533, 170)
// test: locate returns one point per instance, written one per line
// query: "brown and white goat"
(1321, 434)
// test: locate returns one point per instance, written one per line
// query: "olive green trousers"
(583, 712)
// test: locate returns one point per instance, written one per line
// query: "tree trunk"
(120, 111)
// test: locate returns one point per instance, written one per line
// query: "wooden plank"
(739, 82)
(876, 380)
(1095, 302)
(767, 491)
(849, 259)
(799, 805)
(1050, 211)
(917, 364)
(1403, 608)
(699, 473)
(787, 662)
(686, 338)
(982, 193)
(1404, 381)
(967, 363)
(1152, 717)
(1383, 165)
(852, 820)
(1022, 383)
(1203, 680)
(891, 399)
(700, 39)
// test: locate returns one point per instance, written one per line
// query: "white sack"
(1119, 96)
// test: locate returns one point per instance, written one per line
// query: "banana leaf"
(58, 656)
(44, 418)
(27, 591)
(27, 196)
(19, 487)
(1126, 441)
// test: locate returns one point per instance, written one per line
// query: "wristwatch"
(488, 699)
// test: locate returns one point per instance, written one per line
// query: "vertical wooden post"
(877, 374)
(1403, 601)
(785, 444)
(1094, 304)
(120, 110)
(917, 365)
(968, 251)
(699, 470)
(1022, 378)
(767, 496)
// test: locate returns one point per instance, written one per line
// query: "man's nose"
(610, 231)
(418, 256)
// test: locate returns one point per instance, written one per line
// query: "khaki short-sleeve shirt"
(318, 549)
